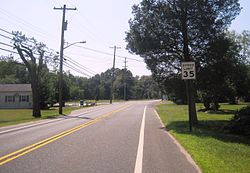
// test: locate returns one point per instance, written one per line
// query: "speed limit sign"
(188, 70)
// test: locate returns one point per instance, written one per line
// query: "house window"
(9, 98)
(24, 98)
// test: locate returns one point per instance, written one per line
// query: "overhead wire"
(80, 65)
(93, 50)
(83, 28)
(6, 50)
(29, 26)
(6, 44)
(75, 69)
(3, 30)
(109, 54)
(5, 36)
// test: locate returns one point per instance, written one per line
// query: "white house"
(15, 96)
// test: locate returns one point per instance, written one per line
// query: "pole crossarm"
(61, 8)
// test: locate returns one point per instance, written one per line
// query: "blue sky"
(101, 23)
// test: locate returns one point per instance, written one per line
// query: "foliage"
(81, 88)
(162, 31)
(13, 72)
(223, 75)
(166, 33)
(243, 40)
(146, 88)
(240, 123)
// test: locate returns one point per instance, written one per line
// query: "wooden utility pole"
(113, 75)
(125, 84)
(64, 28)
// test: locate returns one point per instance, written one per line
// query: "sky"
(102, 24)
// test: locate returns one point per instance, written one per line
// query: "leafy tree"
(122, 76)
(146, 88)
(168, 32)
(105, 83)
(175, 89)
(243, 40)
(12, 72)
(239, 124)
(35, 58)
(53, 88)
(224, 76)
(130, 83)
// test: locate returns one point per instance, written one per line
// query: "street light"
(61, 73)
(82, 42)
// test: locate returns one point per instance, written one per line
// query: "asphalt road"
(123, 137)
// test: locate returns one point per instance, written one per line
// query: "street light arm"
(74, 44)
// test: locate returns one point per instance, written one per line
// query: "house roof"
(15, 87)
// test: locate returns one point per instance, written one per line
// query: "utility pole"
(64, 28)
(113, 74)
(125, 84)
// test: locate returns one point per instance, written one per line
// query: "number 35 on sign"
(188, 70)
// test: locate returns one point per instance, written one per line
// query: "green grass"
(17, 116)
(212, 149)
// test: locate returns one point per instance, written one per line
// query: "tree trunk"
(35, 83)
(191, 102)
(35, 94)
(206, 105)
(189, 84)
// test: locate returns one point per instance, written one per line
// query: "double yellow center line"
(9, 157)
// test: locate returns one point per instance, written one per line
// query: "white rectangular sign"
(188, 70)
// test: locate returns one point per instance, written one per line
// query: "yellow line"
(9, 157)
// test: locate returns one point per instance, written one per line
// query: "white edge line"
(139, 157)
(183, 151)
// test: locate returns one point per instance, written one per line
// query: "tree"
(243, 40)
(120, 76)
(167, 32)
(214, 82)
(146, 88)
(33, 55)
(13, 72)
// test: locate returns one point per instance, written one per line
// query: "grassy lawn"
(16, 116)
(213, 150)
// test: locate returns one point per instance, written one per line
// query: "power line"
(80, 65)
(69, 61)
(75, 69)
(94, 50)
(90, 49)
(6, 31)
(8, 51)
(26, 24)
(6, 44)
(5, 36)
(102, 52)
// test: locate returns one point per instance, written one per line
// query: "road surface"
(124, 137)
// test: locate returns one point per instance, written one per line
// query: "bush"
(240, 124)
